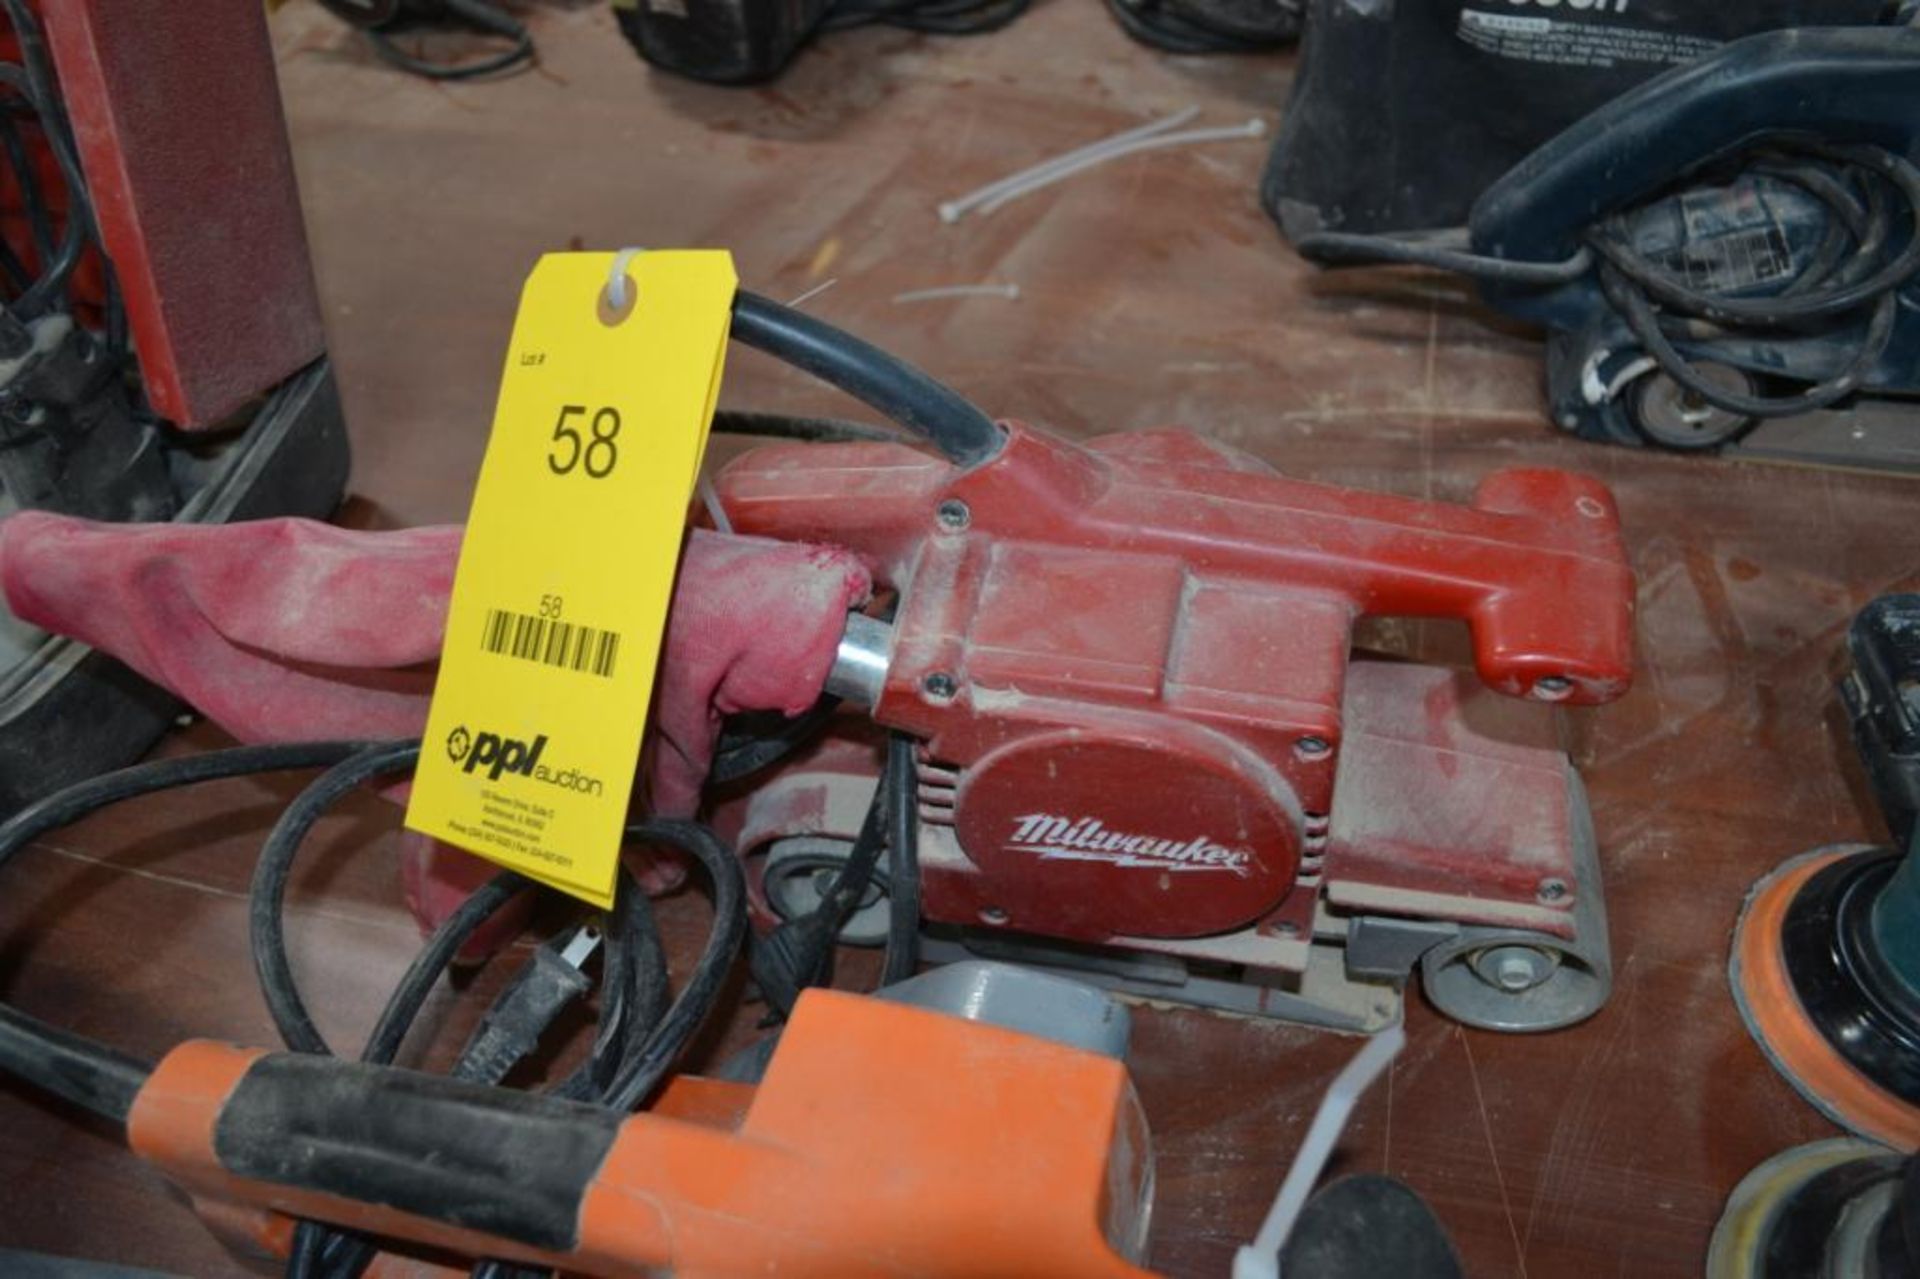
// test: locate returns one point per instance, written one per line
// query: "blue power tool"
(1725, 256)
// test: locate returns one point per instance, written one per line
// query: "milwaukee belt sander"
(1110, 689)
(1145, 752)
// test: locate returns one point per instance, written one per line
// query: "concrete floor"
(1152, 291)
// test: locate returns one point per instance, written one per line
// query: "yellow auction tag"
(566, 571)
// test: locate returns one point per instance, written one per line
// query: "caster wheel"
(1517, 981)
(1671, 415)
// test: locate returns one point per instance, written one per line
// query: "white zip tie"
(815, 291)
(1261, 1258)
(715, 508)
(953, 210)
(1253, 128)
(617, 280)
(1011, 292)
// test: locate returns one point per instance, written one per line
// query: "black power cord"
(1210, 26)
(631, 1055)
(1869, 253)
(1838, 282)
(76, 433)
(933, 17)
(740, 754)
(33, 87)
(962, 433)
(1443, 250)
(783, 426)
(799, 952)
(381, 20)
(33, 202)
(633, 1050)
(91, 1075)
(63, 808)
(744, 41)
(903, 861)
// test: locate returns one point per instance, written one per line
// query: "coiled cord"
(1870, 192)
(634, 1048)
(1870, 252)
(379, 22)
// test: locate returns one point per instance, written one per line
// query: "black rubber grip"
(509, 1164)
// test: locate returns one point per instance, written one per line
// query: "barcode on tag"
(551, 642)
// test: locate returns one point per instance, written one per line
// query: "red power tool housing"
(1149, 754)
(193, 189)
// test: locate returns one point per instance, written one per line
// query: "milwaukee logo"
(1056, 838)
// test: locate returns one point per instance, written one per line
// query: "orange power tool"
(885, 1139)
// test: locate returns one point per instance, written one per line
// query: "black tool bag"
(727, 41)
(1404, 111)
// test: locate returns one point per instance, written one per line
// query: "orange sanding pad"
(1767, 1003)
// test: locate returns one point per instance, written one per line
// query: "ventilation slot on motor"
(939, 784)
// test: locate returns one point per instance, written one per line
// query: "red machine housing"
(1130, 665)
(176, 110)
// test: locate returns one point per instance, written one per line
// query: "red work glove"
(286, 630)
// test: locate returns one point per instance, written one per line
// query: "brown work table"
(1151, 291)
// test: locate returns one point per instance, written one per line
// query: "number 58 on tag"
(598, 456)
(566, 571)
